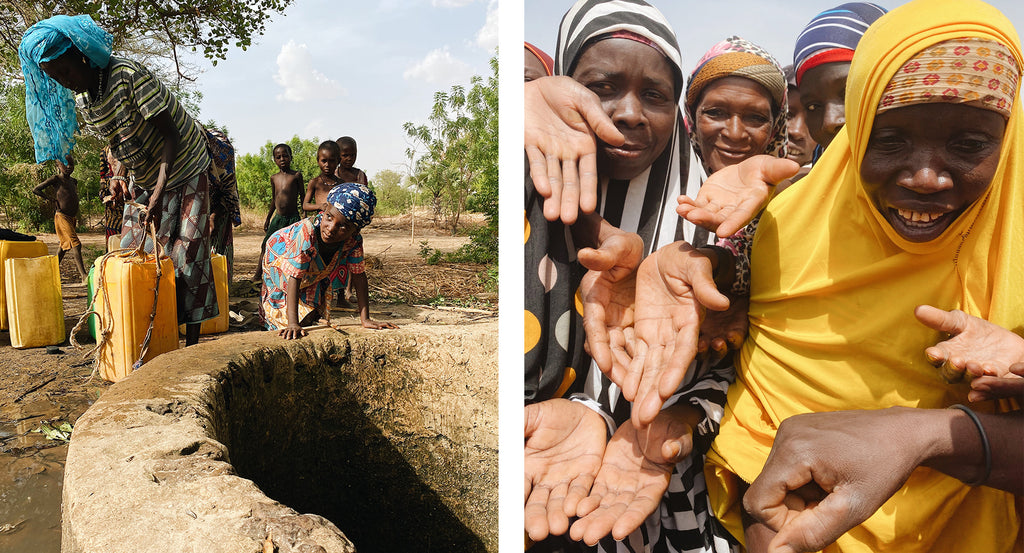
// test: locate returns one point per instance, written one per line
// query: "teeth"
(918, 217)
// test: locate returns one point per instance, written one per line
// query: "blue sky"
(772, 24)
(327, 68)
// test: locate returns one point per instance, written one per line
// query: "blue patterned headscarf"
(50, 108)
(355, 202)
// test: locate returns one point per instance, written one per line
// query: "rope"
(106, 319)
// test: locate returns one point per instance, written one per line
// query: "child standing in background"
(308, 262)
(347, 158)
(327, 158)
(286, 187)
(65, 216)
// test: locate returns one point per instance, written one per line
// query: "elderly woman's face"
(926, 164)
(636, 87)
(734, 121)
(71, 71)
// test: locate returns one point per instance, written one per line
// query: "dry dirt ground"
(38, 388)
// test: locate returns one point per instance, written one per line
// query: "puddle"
(30, 496)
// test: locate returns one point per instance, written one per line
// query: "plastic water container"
(35, 311)
(129, 280)
(9, 249)
(220, 283)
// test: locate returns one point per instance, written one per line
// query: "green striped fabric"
(132, 96)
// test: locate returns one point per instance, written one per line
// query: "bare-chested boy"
(287, 187)
(65, 218)
(327, 158)
(345, 171)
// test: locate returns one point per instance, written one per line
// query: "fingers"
(985, 388)
(705, 290)
(553, 203)
(596, 259)
(538, 171)
(776, 170)
(600, 123)
(588, 182)
(817, 526)
(570, 192)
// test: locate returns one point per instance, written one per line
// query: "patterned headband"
(356, 202)
(972, 71)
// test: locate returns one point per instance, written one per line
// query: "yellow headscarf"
(832, 297)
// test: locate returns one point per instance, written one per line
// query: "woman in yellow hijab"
(919, 200)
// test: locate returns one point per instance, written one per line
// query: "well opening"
(392, 437)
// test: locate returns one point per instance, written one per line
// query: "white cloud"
(487, 36)
(450, 3)
(300, 80)
(439, 67)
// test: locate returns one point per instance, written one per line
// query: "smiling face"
(823, 94)
(334, 227)
(926, 164)
(636, 87)
(734, 121)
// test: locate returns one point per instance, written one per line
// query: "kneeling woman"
(306, 263)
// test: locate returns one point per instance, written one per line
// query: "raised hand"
(565, 441)
(673, 285)
(731, 197)
(634, 475)
(561, 119)
(975, 345)
(608, 293)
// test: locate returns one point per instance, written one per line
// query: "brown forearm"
(291, 300)
(956, 447)
(362, 295)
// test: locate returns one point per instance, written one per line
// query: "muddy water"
(36, 388)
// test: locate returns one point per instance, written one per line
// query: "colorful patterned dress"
(294, 252)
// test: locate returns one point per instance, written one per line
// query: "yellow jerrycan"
(129, 279)
(35, 311)
(219, 323)
(9, 249)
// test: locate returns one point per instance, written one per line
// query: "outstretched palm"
(564, 444)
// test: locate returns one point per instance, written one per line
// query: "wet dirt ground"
(41, 390)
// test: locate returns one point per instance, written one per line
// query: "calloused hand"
(608, 291)
(975, 345)
(634, 475)
(725, 330)
(822, 476)
(1009, 385)
(733, 196)
(561, 119)
(565, 441)
(673, 286)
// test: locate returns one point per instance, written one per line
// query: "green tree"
(392, 196)
(459, 160)
(253, 171)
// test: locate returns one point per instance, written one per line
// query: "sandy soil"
(37, 387)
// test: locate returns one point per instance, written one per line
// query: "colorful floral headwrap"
(49, 107)
(832, 35)
(736, 57)
(973, 71)
(356, 202)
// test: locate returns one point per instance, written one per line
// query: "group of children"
(305, 262)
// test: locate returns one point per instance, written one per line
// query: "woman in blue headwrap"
(307, 263)
(67, 61)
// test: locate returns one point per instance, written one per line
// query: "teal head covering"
(355, 202)
(50, 108)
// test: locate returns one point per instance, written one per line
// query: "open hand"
(292, 331)
(674, 285)
(561, 119)
(733, 196)
(608, 292)
(634, 475)
(565, 441)
(975, 345)
(378, 325)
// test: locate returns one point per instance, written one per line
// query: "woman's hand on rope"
(673, 286)
(733, 196)
(561, 119)
(635, 473)
(608, 293)
(565, 441)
